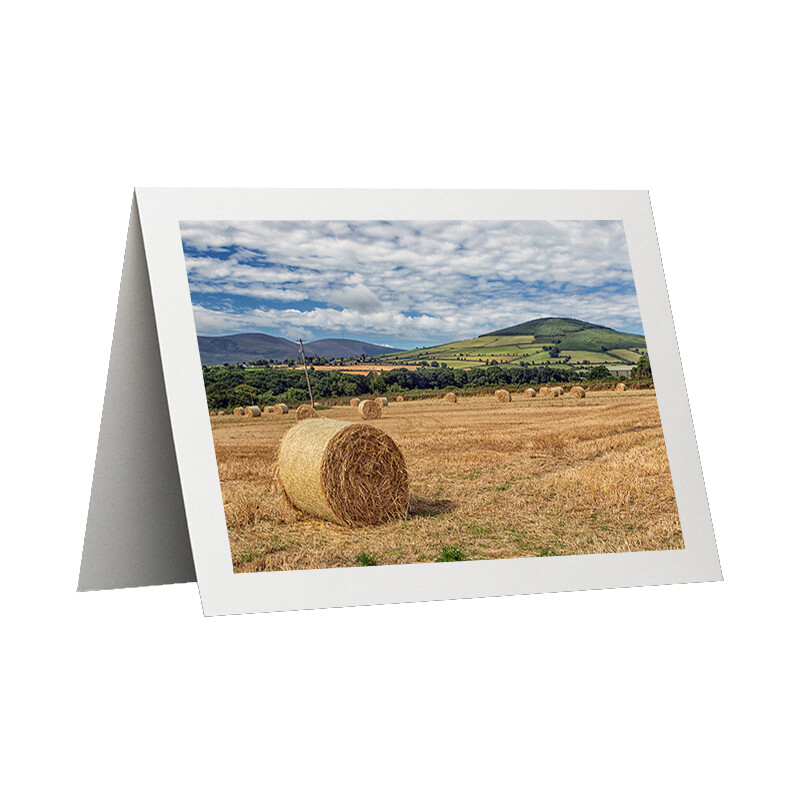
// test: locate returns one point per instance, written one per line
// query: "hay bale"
(238, 412)
(267, 409)
(220, 413)
(305, 412)
(502, 396)
(529, 393)
(344, 472)
(354, 401)
(577, 391)
(280, 408)
(546, 391)
(252, 411)
(370, 409)
(621, 387)
(451, 398)
(558, 390)
(399, 399)
(382, 400)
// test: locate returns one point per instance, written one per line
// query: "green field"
(531, 342)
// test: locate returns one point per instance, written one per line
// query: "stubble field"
(542, 477)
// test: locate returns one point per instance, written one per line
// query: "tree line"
(232, 386)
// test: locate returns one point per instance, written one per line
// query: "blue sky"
(405, 283)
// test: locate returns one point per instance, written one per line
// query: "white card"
(418, 294)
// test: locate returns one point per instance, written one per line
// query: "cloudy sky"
(405, 283)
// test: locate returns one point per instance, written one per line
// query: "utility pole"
(308, 380)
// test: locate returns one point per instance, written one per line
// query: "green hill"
(557, 340)
(547, 328)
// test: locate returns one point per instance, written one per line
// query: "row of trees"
(228, 387)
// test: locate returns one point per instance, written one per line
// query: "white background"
(654, 692)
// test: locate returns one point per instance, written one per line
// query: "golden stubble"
(534, 477)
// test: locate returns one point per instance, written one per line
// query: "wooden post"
(308, 380)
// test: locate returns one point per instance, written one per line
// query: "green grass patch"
(450, 554)
(366, 560)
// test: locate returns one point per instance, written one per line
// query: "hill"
(244, 347)
(554, 340)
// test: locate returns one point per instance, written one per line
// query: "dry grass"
(540, 478)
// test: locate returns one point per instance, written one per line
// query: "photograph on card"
(392, 392)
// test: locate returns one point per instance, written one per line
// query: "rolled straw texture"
(546, 391)
(280, 408)
(238, 411)
(577, 391)
(621, 387)
(252, 411)
(344, 472)
(451, 398)
(530, 393)
(399, 399)
(503, 396)
(370, 409)
(382, 400)
(305, 412)
(354, 401)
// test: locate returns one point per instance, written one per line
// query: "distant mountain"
(245, 347)
(546, 327)
(552, 340)
(346, 348)
(573, 334)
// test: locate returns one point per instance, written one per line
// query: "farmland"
(541, 477)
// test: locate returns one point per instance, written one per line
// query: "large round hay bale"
(399, 399)
(252, 411)
(354, 401)
(220, 413)
(238, 412)
(305, 412)
(621, 387)
(382, 400)
(502, 396)
(267, 410)
(370, 409)
(558, 391)
(344, 472)
(451, 398)
(529, 393)
(280, 408)
(546, 391)
(577, 391)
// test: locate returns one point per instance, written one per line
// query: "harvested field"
(546, 477)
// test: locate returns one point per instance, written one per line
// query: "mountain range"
(244, 347)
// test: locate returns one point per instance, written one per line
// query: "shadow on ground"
(429, 506)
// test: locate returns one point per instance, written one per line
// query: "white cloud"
(426, 279)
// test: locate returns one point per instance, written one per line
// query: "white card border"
(224, 592)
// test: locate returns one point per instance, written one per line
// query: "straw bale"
(558, 390)
(238, 412)
(529, 393)
(370, 409)
(252, 411)
(621, 387)
(343, 472)
(305, 412)
(354, 401)
(220, 413)
(546, 391)
(382, 400)
(399, 399)
(577, 391)
(451, 398)
(267, 409)
(280, 408)
(502, 396)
